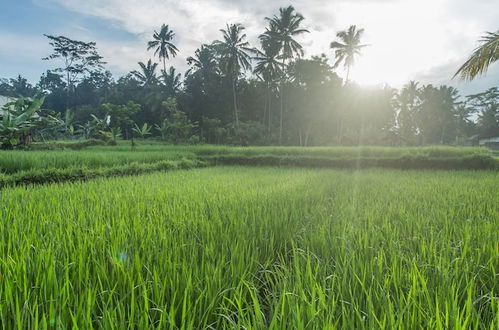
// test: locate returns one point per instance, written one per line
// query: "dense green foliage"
(235, 92)
(17, 120)
(253, 248)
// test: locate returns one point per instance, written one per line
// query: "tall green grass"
(236, 247)
(149, 152)
(16, 161)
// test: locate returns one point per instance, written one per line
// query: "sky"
(423, 40)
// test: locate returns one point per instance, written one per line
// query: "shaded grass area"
(72, 174)
(69, 144)
(151, 151)
(253, 248)
(15, 161)
(401, 162)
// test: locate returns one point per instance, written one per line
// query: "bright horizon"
(408, 40)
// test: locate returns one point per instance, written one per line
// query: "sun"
(405, 40)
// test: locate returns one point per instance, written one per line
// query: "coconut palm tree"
(162, 44)
(348, 48)
(284, 28)
(407, 101)
(268, 68)
(234, 52)
(203, 61)
(147, 73)
(483, 56)
(172, 82)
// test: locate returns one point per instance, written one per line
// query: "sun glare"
(400, 37)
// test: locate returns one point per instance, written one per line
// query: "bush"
(73, 145)
(402, 162)
(54, 175)
(194, 140)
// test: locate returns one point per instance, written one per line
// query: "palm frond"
(481, 58)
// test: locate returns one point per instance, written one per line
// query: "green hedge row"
(73, 145)
(403, 162)
(54, 175)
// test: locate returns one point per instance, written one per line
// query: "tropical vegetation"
(265, 94)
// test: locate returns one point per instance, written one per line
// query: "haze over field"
(409, 40)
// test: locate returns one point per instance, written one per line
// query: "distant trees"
(283, 29)
(234, 52)
(269, 69)
(172, 81)
(78, 57)
(234, 93)
(348, 48)
(486, 106)
(345, 53)
(432, 115)
(177, 127)
(163, 45)
(147, 74)
(407, 101)
(121, 116)
(16, 87)
(483, 56)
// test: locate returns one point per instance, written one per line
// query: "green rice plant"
(82, 173)
(341, 157)
(253, 248)
(16, 161)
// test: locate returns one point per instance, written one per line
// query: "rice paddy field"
(150, 152)
(236, 247)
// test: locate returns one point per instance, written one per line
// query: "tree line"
(234, 92)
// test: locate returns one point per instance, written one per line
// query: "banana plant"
(64, 124)
(143, 131)
(18, 119)
(163, 129)
(116, 132)
(93, 128)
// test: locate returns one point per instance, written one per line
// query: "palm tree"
(172, 82)
(348, 48)
(203, 61)
(448, 96)
(284, 28)
(235, 57)
(483, 56)
(147, 73)
(268, 68)
(407, 100)
(162, 44)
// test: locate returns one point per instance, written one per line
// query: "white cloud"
(409, 39)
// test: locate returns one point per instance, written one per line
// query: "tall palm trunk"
(164, 64)
(281, 92)
(280, 113)
(270, 112)
(236, 116)
(68, 87)
(264, 114)
(340, 119)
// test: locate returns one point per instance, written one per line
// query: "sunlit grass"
(153, 151)
(253, 248)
